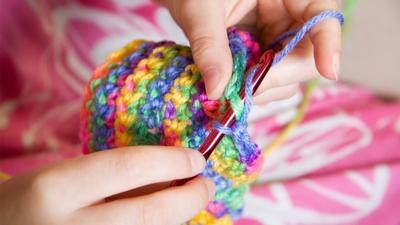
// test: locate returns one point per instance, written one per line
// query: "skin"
(123, 186)
(204, 24)
(83, 190)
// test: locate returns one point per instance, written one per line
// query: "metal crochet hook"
(215, 136)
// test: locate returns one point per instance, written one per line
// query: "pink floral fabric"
(340, 165)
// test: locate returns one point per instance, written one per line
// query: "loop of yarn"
(300, 33)
(151, 93)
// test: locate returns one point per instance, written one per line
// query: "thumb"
(203, 23)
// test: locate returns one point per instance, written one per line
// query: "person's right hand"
(80, 191)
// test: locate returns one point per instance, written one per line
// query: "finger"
(162, 207)
(238, 11)
(325, 36)
(273, 19)
(143, 190)
(295, 68)
(203, 22)
(102, 174)
(275, 94)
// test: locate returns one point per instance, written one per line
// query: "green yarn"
(232, 90)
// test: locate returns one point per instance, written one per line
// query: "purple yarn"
(299, 34)
(104, 110)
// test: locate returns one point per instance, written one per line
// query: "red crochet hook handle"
(214, 137)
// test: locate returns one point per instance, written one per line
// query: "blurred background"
(371, 55)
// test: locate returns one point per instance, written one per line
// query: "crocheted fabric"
(151, 93)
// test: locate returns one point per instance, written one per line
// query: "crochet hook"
(214, 137)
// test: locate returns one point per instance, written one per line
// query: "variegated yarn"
(151, 93)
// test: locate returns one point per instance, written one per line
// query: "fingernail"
(336, 66)
(211, 189)
(197, 161)
(212, 79)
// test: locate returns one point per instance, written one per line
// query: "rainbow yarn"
(151, 93)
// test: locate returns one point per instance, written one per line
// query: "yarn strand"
(239, 130)
(299, 34)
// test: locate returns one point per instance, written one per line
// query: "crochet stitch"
(151, 93)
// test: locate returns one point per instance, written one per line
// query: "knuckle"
(202, 43)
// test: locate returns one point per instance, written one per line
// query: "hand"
(204, 23)
(79, 191)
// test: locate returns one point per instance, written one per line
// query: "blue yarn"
(302, 32)
(238, 131)
(222, 183)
